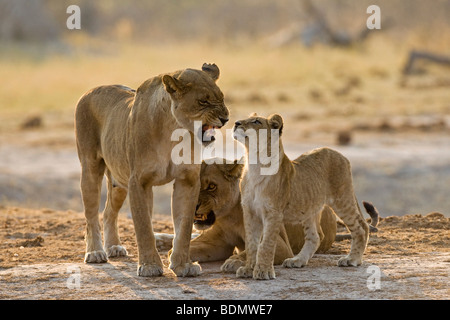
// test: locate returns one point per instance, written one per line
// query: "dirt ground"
(41, 257)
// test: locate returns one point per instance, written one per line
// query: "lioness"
(126, 136)
(219, 216)
(295, 193)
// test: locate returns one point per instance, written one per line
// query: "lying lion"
(126, 135)
(296, 193)
(219, 216)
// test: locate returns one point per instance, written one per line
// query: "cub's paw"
(231, 265)
(263, 272)
(187, 270)
(98, 256)
(349, 261)
(294, 263)
(244, 272)
(116, 251)
(149, 270)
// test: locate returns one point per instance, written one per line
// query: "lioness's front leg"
(184, 200)
(141, 203)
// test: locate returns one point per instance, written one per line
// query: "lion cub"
(295, 192)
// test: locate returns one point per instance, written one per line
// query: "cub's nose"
(223, 121)
(237, 123)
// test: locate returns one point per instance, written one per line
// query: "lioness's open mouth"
(205, 219)
(208, 133)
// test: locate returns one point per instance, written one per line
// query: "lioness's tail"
(374, 217)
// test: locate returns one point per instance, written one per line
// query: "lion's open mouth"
(208, 133)
(205, 219)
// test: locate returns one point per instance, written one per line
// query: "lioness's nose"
(237, 123)
(223, 121)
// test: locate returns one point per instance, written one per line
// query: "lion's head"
(196, 97)
(219, 192)
(243, 129)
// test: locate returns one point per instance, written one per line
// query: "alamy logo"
(261, 150)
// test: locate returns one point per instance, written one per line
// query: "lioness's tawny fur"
(295, 193)
(126, 135)
(222, 224)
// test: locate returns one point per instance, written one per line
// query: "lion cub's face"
(219, 192)
(196, 97)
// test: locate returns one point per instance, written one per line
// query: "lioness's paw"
(98, 256)
(149, 270)
(294, 263)
(187, 270)
(263, 272)
(231, 265)
(116, 251)
(349, 261)
(244, 272)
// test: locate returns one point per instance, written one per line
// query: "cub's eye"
(212, 187)
(256, 121)
(203, 102)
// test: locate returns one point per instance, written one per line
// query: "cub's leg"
(91, 182)
(184, 200)
(351, 214)
(141, 203)
(115, 198)
(272, 222)
(253, 231)
(233, 263)
(312, 242)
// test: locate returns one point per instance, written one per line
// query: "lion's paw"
(231, 265)
(187, 270)
(98, 256)
(244, 272)
(116, 251)
(349, 261)
(294, 263)
(149, 270)
(263, 272)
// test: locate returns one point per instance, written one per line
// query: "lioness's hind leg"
(312, 242)
(351, 214)
(91, 182)
(115, 198)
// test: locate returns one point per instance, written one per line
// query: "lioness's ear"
(171, 84)
(276, 122)
(253, 114)
(235, 169)
(212, 70)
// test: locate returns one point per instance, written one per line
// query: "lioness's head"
(219, 192)
(196, 97)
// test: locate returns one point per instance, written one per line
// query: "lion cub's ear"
(276, 122)
(172, 85)
(212, 70)
(253, 114)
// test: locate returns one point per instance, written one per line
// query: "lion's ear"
(276, 122)
(212, 70)
(235, 169)
(172, 84)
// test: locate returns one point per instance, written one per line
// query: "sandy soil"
(41, 257)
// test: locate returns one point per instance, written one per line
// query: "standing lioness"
(126, 135)
(295, 192)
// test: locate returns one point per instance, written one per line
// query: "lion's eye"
(212, 187)
(256, 121)
(203, 102)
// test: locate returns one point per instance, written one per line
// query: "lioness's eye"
(211, 187)
(203, 102)
(256, 121)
